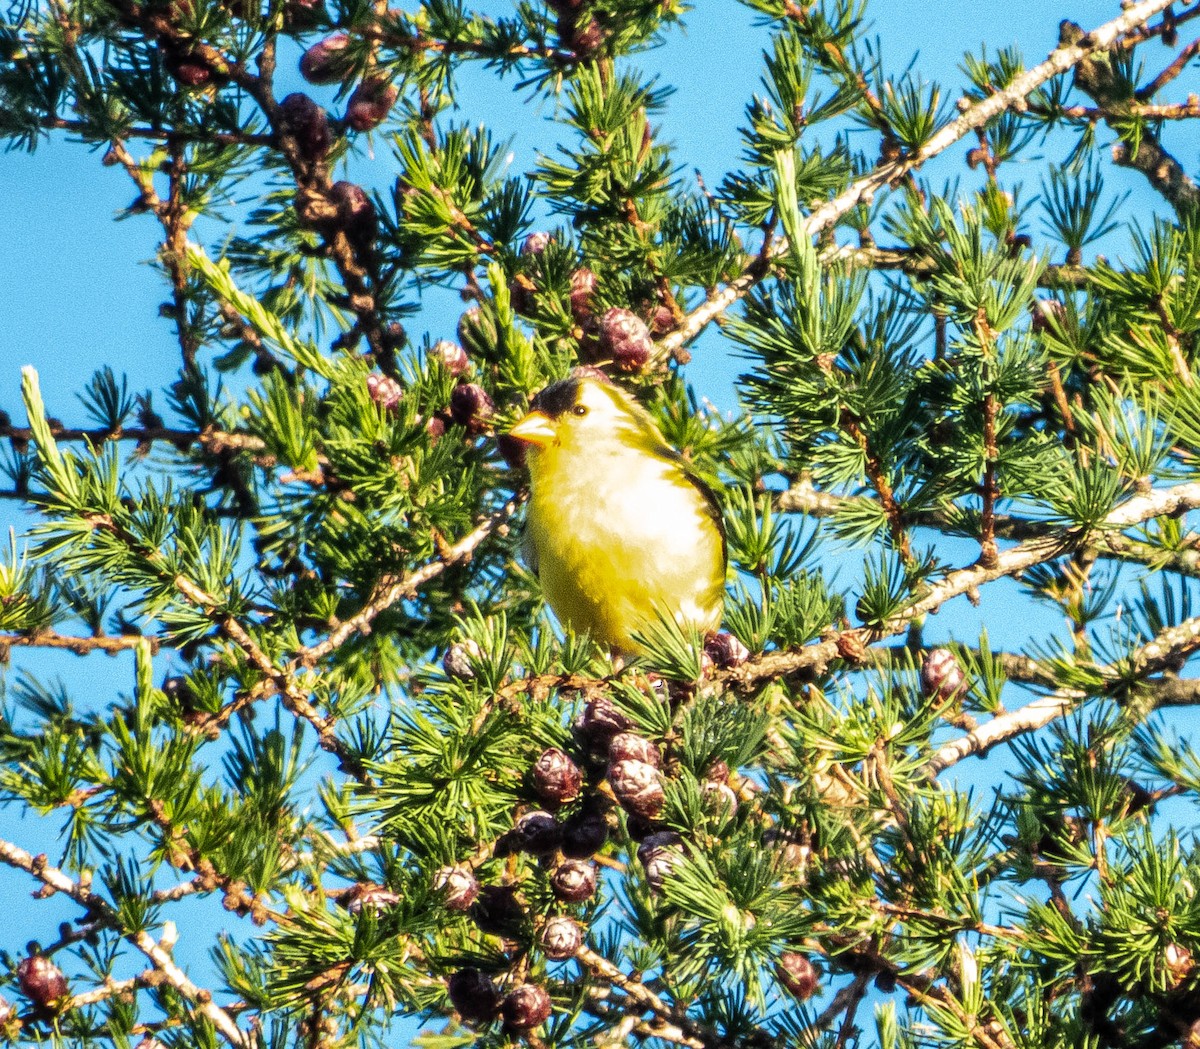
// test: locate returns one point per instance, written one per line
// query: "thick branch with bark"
(1094, 75)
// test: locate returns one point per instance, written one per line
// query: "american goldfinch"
(620, 531)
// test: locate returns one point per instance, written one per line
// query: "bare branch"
(1176, 692)
(815, 658)
(1099, 82)
(211, 439)
(1177, 66)
(1168, 646)
(802, 497)
(292, 696)
(917, 264)
(282, 680)
(979, 741)
(108, 989)
(1031, 552)
(620, 1027)
(81, 646)
(646, 998)
(165, 964)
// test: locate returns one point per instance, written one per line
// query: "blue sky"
(75, 292)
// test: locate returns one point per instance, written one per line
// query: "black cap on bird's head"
(560, 397)
(588, 409)
(547, 409)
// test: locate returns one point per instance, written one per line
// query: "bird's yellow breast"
(621, 540)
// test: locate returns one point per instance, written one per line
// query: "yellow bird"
(620, 531)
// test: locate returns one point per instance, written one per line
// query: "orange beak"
(536, 428)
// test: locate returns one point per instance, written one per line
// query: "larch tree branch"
(94, 904)
(1068, 54)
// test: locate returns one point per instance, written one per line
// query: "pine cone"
(41, 981)
(1179, 964)
(942, 679)
(1191, 1040)
(561, 937)
(474, 996)
(725, 650)
(718, 772)
(638, 787)
(538, 833)
(584, 835)
(452, 357)
(477, 333)
(629, 746)
(658, 855)
(458, 885)
(583, 289)
(498, 912)
(625, 339)
(555, 778)
(600, 720)
(471, 406)
(536, 243)
(369, 897)
(307, 123)
(356, 212)
(370, 103)
(325, 62)
(385, 391)
(1047, 315)
(190, 69)
(798, 975)
(526, 1007)
(719, 798)
(573, 881)
(301, 15)
(459, 660)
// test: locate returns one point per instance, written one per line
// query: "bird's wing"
(711, 506)
(651, 439)
(529, 552)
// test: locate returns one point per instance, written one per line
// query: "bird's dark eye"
(579, 409)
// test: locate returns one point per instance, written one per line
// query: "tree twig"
(79, 645)
(815, 658)
(1169, 645)
(210, 438)
(802, 497)
(646, 998)
(1100, 83)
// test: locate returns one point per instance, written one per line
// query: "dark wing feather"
(529, 553)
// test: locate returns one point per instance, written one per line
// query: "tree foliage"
(357, 763)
